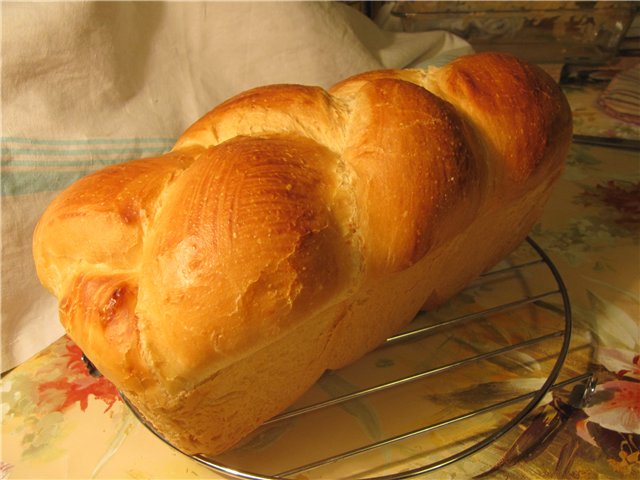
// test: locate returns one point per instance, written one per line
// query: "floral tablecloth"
(61, 422)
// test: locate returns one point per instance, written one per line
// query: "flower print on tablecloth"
(605, 425)
(62, 392)
(620, 198)
(609, 210)
(40, 396)
(612, 423)
(611, 420)
(5, 468)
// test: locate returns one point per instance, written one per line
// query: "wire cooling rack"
(534, 328)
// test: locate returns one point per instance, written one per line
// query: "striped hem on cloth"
(31, 165)
(621, 98)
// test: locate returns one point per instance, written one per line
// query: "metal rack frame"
(534, 397)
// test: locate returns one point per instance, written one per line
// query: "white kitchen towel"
(85, 85)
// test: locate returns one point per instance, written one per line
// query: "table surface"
(60, 422)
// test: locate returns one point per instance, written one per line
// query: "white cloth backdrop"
(86, 85)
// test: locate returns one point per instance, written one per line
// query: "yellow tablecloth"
(60, 422)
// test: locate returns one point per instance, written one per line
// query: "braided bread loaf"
(291, 230)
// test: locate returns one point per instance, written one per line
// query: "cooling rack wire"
(549, 346)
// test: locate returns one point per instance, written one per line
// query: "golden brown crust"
(432, 186)
(291, 230)
(250, 261)
(515, 108)
(273, 109)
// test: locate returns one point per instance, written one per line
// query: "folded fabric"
(621, 98)
(85, 85)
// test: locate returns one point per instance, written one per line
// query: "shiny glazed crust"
(292, 229)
